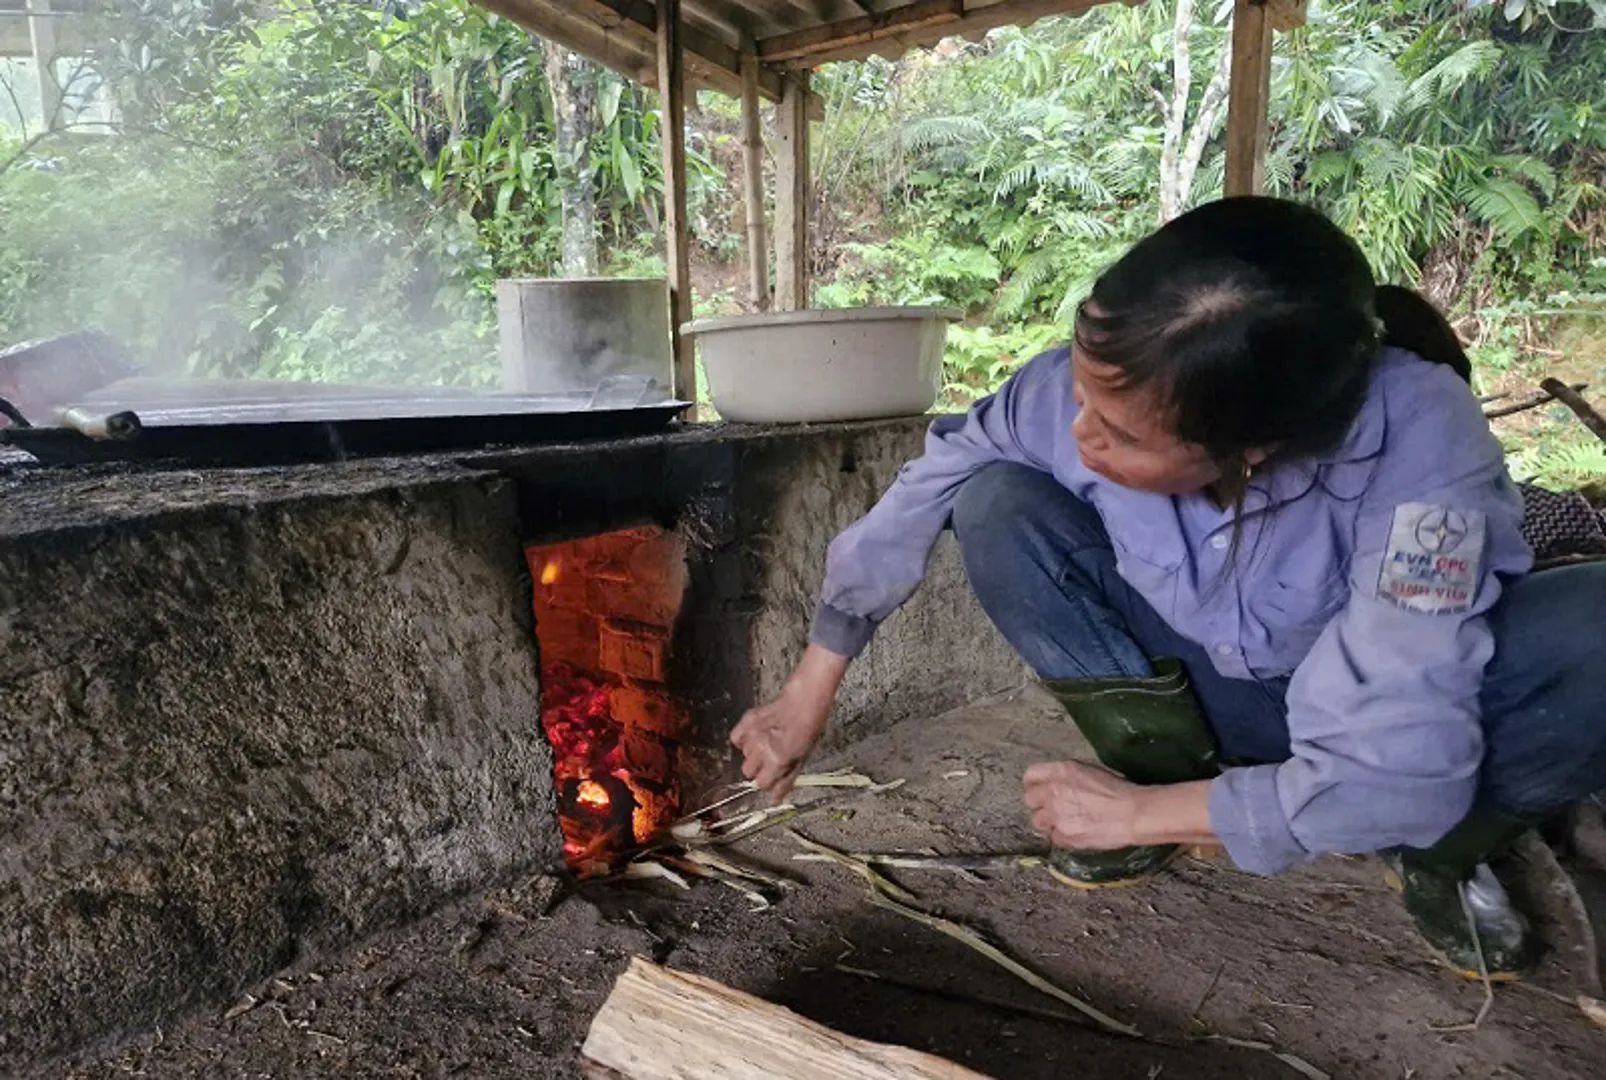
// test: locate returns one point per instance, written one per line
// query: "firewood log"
(659, 1024)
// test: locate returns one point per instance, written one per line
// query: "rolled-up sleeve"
(1383, 713)
(875, 565)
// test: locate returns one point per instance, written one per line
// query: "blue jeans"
(1043, 568)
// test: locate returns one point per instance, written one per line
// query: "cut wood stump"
(659, 1024)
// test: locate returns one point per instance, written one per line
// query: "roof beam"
(623, 34)
(900, 29)
(625, 53)
(831, 37)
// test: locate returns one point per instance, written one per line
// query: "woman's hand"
(775, 739)
(1081, 806)
(1077, 805)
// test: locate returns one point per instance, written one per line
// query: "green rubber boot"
(1149, 730)
(1488, 926)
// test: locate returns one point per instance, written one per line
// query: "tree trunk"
(1184, 144)
(572, 80)
(1174, 111)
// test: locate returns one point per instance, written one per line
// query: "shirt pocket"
(1153, 575)
(1294, 610)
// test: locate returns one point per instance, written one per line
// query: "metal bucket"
(577, 334)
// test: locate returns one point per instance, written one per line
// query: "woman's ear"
(1256, 458)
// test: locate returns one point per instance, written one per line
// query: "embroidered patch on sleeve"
(1434, 559)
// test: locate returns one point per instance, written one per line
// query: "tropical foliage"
(314, 189)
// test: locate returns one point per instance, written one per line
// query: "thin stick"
(886, 894)
(1483, 971)
(880, 895)
(988, 1000)
(963, 863)
(1211, 989)
(1526, 403)
(1571, 398)
(1293, 1061)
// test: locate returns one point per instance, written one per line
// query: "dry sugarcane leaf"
(961, 863)
(688, 829)
(967, 936)
(245, 1005)
(843, 778)
(882, 895)
(886, 894)
(647, 868)
(735, 869)
(1293, 1061)
(877, 881)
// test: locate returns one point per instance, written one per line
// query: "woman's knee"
(992, 492)
(1009, 509)
(1544, 695)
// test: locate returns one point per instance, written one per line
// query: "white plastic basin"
(821, 365)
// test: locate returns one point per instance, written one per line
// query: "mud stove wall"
(250, 716)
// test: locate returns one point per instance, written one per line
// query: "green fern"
(1473, 61)
(1504, 205)
(932, 132)
(1570, 466)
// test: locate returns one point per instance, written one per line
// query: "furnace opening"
(605, 611)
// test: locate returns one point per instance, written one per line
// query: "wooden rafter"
(829, 37)
(900, 29)
(622, 34)
(789, 34)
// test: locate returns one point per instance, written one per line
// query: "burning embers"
(605, 608)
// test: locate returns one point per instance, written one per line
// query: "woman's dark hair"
(1260, 320)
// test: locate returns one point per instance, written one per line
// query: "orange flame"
(549, 572)
(593, 794)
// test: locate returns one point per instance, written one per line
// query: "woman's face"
(1124, 434)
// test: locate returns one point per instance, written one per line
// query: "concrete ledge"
(246, 714)
(238, 727)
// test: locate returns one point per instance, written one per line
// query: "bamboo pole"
(42, 36)
(677, 243)
(758, 256)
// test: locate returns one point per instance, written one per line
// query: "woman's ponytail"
(1411, 322)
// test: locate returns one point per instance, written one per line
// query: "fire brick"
(648, 709)
(633, 650)
(568, 637)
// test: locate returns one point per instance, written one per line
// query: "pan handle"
(14, 414)
(117, 426)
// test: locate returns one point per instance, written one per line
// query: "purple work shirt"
(1368, 580)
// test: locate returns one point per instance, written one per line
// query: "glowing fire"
(550, 572)
(605, 809)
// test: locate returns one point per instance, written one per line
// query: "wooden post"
(758, 256)
(42, 31)
(1247, 97)
(677, 253)
(792, 195)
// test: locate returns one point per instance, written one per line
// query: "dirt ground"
(1321, 964)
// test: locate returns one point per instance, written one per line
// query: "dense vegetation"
(329, 190)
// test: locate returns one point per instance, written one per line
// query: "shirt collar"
(1344, 472)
